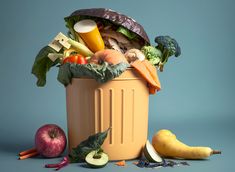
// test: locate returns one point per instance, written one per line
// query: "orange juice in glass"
(89, 32)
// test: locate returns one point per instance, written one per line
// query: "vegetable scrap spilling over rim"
(102, 44)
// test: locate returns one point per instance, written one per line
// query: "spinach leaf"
(93, 142)
(42, 65)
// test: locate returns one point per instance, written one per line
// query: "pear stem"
(216, 152)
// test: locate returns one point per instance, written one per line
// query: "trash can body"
(121, 104)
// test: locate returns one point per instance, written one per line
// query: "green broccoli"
(152, 54)
(169, 47)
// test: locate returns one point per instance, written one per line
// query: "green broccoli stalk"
(152, 54)
(169, 47)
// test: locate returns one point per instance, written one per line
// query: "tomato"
(78, 59)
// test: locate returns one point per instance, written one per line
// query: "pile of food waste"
(101, 44)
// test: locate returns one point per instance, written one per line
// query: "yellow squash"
(167, 145)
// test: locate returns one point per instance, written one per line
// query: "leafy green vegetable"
(169, 47)
(42, 65)
(93, 142)
(152, 54)
(101, 73)
(126, 32)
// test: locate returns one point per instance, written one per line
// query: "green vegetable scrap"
(152, 54)
(96, 159)
(169, 47)
(93, 142)
(126, 32)
(69, 24)
(42, 65)
(101, 73)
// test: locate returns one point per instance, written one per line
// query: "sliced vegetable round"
(150, 153)
(96, 160)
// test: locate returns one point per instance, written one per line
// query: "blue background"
(197, 97)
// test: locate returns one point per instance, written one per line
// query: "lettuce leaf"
(101, 73)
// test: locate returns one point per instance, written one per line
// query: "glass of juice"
(89, 32)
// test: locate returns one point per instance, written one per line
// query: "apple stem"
(53, 133)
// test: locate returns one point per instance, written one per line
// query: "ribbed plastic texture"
(121, 104)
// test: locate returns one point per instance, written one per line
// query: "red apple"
(50, 141)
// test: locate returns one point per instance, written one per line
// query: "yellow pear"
(167, 145)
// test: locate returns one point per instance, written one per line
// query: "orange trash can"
(121, 104)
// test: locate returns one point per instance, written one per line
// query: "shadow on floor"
(15, 146)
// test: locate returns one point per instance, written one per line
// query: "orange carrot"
(28, 155)
(25, 152)
(153, 71)
(143, 71)
(152, 90)
(121, 163)
(149, 73)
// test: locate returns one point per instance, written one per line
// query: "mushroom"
(134, 54)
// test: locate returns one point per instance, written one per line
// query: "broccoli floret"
(169, 47)
(152, 54)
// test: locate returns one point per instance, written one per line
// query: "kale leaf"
(42, 65)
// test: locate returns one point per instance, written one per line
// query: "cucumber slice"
(96, 160)
(150, 153)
